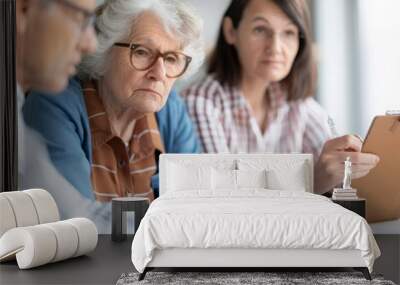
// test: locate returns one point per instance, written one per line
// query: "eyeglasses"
(88, 16)
(143, 58)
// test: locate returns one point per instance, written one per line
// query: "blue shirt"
(63, 122)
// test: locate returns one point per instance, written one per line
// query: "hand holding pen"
(329, 168)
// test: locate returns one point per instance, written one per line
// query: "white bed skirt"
(190, 257)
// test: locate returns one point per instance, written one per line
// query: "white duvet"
(252, 218)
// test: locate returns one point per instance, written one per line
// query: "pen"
(334, 132)
(332, 127)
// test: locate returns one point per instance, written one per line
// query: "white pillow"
(282, 174)
(188, 177)
(293, 179)
(227, 179)
(224, 179)
(251, 178)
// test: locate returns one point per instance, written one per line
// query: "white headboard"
(238, 161)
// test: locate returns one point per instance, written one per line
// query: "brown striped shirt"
(118, 169)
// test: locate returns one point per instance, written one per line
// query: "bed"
(247, 211)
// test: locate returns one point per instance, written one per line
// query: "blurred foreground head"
(52, 36)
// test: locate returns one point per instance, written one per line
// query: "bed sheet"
(250, 218)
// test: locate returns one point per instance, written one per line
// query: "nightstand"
(357, 205)
(120, 207)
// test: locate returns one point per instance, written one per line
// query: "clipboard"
(381, 187)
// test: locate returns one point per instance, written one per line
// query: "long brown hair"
(299, 83)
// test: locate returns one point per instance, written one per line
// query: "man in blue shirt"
(50, 37)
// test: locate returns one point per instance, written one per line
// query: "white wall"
(212, 12)
(380, 51)
(359, 60)
(334, 87)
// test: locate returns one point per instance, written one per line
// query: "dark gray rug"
(243, 278)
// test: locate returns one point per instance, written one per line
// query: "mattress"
(250, 219)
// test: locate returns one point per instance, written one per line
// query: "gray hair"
(116, 18)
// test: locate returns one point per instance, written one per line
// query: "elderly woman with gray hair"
(106, 130)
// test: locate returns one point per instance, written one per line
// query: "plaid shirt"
(118, 169)
(225, 122)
